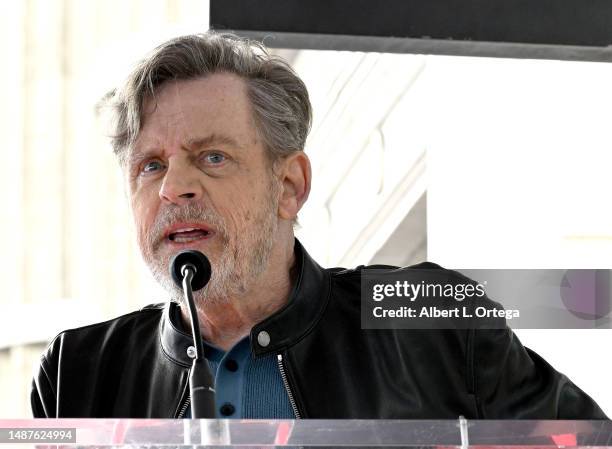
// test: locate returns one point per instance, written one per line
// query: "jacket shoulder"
(144, 317)
(95, 337)
(340, 272)
(77, 345)
(347, 281)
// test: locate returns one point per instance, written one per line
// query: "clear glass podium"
(165, 433)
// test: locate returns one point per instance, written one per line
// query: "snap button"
(231, 365)
(227, 409)
(191, 352)
(263, 338)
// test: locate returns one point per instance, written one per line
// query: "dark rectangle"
(547, 22)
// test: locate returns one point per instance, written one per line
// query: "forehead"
(215, 104)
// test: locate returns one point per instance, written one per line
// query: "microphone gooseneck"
(191, 271)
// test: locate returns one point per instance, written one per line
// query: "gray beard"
(243, 259)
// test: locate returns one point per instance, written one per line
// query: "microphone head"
(199, 261)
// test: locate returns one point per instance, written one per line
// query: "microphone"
(200, 264)
(191, 271)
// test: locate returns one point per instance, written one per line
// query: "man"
(209, 132)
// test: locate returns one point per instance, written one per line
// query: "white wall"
(519, 177)
(68, 255)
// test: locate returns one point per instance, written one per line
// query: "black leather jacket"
(137, 365)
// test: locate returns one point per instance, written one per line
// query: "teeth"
(179, 234)
(184, 239)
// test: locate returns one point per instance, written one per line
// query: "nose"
(181, 184)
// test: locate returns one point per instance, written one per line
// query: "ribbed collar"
(286, 326)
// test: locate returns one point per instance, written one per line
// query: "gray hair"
(281, 107)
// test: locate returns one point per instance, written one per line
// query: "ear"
(295, 176)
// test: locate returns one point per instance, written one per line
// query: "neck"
(225, 323)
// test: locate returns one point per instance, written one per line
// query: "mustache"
(190, 212)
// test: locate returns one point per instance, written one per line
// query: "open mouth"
(187, 235)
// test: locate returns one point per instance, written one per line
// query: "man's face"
(199, 179)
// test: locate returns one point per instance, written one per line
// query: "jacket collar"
(297, 318)
(174, 341)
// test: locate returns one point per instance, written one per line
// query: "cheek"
(251, 206)
(144, 208)
(237, 211)
(242, 205)
(234, 216)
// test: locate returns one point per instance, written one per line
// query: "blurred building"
(69, 257)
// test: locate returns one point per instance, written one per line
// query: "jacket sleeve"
(513, 382)
(43, 394)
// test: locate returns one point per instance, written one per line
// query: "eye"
(214, 158)
(151, 167)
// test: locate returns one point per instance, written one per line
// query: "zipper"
(187, 399)
(281, 368)
(184, 407)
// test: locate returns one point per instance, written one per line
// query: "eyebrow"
(212, 139)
